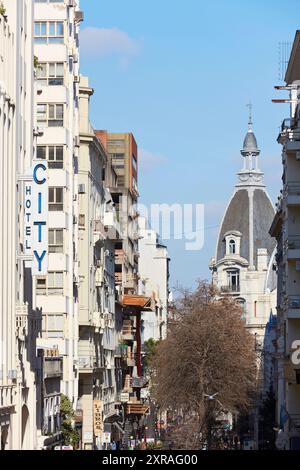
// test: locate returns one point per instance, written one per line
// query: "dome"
(250, 143)
(237, 218)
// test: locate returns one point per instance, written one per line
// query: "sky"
(178, 75)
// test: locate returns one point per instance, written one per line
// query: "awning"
(137, 301)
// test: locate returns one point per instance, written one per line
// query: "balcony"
(294, 306)
(235, 289)
(118, 278)
(128, 333)
(6, 396)
(21, 321)
(292, 193)
(292, 247)
(120, 256)
(100, 233)
(53, 367)
(86, 356)
(137, 408)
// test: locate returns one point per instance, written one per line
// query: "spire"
(249, 105)
(250, 174)
(250, 147)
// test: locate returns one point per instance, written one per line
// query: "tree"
(150, 347)
(207, 351)
(70, 435)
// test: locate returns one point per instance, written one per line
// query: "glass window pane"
(51, 111)
(59, 28)
(51, 280)
(51, 153)
(51, 195)
(41, 70)
(51, 70)
(37, 28)
(52, 28)
(51, 237)
(59, 195)
(59, 153)
(59, 237)
(59, 111)
(59, 279)
(41, 152)
(60, 69)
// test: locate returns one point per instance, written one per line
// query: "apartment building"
(19, 325)
(56, 49)
(122, 154)
(286, 230)
(154, 281)
(98, 230)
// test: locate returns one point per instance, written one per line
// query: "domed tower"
(242, 266)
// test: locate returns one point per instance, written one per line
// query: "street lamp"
(210, 398)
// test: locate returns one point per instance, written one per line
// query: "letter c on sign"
(35, 177)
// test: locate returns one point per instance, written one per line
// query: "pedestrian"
(113, 445)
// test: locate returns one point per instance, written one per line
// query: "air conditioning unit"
(81, 188)
(79, 16)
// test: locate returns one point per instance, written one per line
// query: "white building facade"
(56, 48)
(286, 230)
(18, 323)
(154, 282)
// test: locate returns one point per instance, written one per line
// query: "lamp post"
(210, 417)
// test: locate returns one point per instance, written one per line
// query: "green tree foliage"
(70, 435)
(150, 347)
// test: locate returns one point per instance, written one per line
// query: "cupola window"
(232, 247)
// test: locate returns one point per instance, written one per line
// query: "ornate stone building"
(243, 264)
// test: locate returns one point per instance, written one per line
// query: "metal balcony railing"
(294, 301)
(292, 243)
(230, 289)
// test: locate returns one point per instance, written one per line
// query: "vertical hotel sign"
(36, 218)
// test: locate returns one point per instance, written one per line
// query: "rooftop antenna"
(284, 50)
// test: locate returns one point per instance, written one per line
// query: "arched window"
(232, 247)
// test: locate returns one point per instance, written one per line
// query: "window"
(234, 280)
(134, 163)
(56, 241)
(51, 32)
(56, 202)
(50, 73)
(232, 247)
(51, 285)
(242, 304)
(50, 115)
(54, 154)
(49, 1)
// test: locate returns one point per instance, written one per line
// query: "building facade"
(56, 49)
(154, 282)
(286, 230)
(18, 324)
(243, 264)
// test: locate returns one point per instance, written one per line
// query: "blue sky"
(179, 75)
